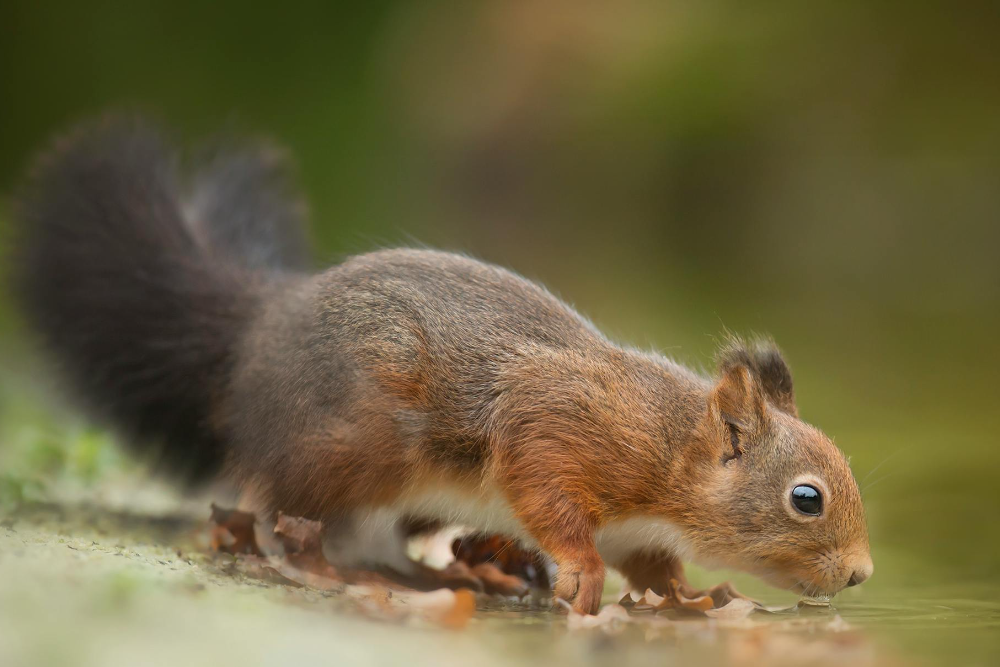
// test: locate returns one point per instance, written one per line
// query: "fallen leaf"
(302, 540)
(699, 604)
(449, 608)
(233, 531)
(627, 602)
(736, 609)
(303, 564)
(461, 611)
(777, 609)
(652, 598)
(724, 593)
(650, 601)
(683, 597)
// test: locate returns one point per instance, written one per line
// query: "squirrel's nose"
(861, 573)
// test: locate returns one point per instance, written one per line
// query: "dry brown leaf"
(627, 602)
(233, 532)
(734, 610)
(649, 601)
(724, 593)
(682, 597)
(302, 540)
(304, 564)
(449, 608)
(699, 604)
(652, 598)
(461, 611)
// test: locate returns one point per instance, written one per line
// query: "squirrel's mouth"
(816, 591)
(817, 574)
(806, 584)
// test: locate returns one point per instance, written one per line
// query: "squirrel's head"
(780, 497)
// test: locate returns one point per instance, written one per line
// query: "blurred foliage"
(42, 447)
(825, 172)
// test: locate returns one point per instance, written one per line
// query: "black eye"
(807, 499)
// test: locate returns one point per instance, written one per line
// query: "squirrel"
(409, 384)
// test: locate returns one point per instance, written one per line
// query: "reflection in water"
(897, 631)
(791, 636)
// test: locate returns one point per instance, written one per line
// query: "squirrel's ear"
(764, 361)
(775, 378)
(737, 400)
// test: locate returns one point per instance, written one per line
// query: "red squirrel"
(410, 384)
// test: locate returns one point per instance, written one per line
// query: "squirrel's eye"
(807, 499)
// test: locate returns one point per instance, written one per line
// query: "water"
(940, 625)
(946, 624)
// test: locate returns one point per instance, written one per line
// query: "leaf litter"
(298, 561)
(492, 565)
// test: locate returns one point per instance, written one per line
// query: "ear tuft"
(764, 360)
(776, 379)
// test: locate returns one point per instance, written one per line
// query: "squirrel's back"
(455, 301)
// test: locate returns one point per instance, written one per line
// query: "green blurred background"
(824, 172)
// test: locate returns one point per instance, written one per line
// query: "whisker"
(888, 474)
(884, 461)
(496, 556)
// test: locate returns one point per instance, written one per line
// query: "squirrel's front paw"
(582, 587)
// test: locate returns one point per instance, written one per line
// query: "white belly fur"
(376, 537)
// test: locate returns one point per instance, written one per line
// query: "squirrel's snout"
(862, 571)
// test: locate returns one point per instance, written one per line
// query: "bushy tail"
(140, 283)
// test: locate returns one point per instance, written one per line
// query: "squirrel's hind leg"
(652, 569)
(376, 541)
(368, 539)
